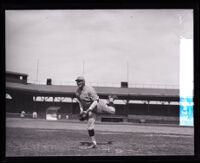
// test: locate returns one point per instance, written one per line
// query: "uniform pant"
(102, 107)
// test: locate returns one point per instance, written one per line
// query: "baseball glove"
(83, 116)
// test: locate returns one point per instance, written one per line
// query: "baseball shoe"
(92, 146)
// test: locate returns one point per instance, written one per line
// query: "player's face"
(80, 84)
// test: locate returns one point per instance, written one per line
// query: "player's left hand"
(83, 116)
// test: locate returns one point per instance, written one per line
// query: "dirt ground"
(38, 137)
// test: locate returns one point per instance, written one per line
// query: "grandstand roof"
(132, 93)
(16, 73)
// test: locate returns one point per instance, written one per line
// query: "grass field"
(31, 137)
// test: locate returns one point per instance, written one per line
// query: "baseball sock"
(92, 136)
(94, 140)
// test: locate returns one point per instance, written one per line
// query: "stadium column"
(72, 105)
(168, 110)
(34, 105)
(54, 101)
(148, 111)
(127, 107)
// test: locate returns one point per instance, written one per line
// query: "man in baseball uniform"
(90, 106)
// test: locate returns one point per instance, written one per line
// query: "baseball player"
(90, 106)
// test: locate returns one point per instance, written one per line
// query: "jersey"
(86, 96)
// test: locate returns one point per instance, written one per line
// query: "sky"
(105, 46)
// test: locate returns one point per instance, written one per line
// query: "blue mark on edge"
(186, 112)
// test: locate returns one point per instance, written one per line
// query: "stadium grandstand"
(158, 105)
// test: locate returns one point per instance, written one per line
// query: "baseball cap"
(80, 78)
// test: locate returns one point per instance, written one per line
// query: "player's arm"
(92, 106)
(80, 106)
